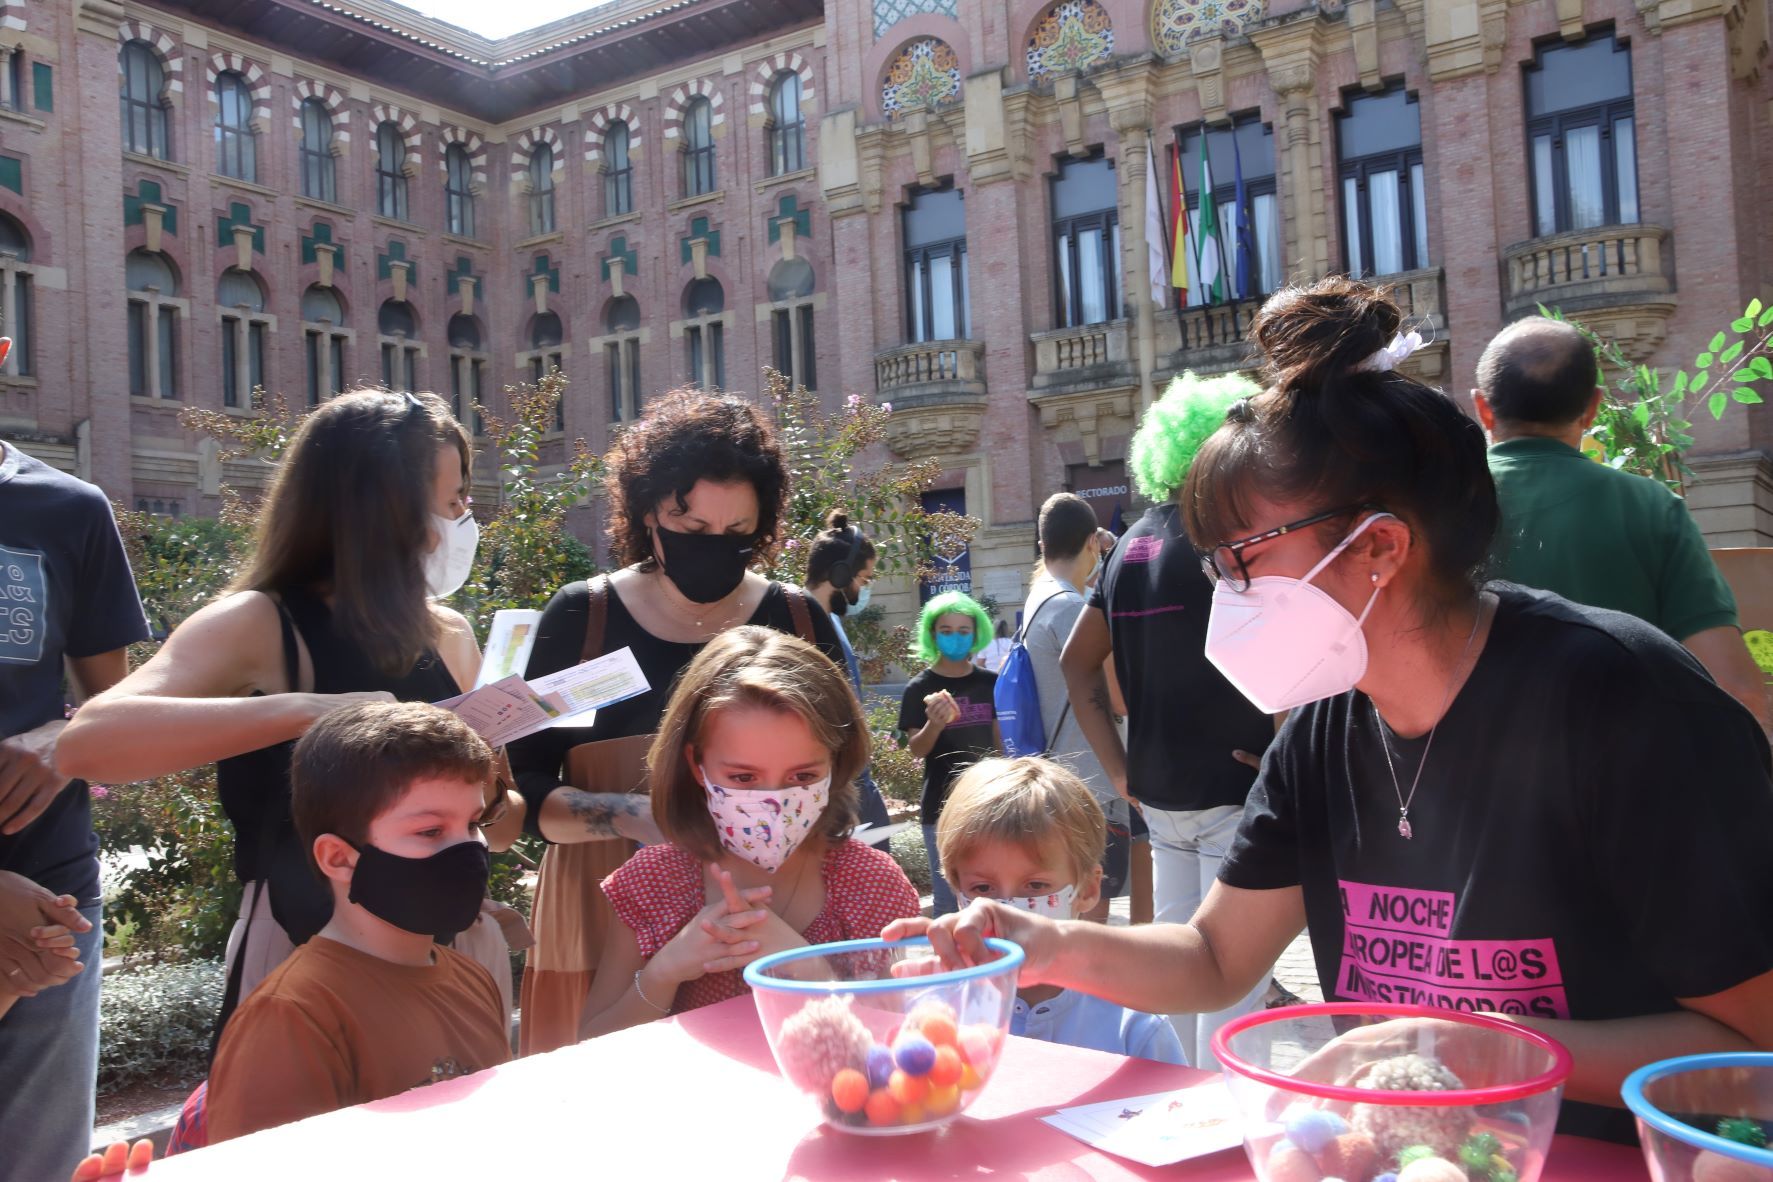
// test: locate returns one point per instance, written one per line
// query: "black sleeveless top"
(254, 787)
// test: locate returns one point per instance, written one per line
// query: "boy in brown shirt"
(387, 797)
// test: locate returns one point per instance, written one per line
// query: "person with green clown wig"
(1192, 739)
(948, 716)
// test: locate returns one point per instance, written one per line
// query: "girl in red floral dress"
(753, 785)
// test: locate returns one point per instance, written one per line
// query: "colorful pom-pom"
(881, 1108)
(1287, 1162)
(1313, 1128)
(947, 1068)
(1351, 1155)
(914, 1054)
(908, 1089)
(880, 1066)
(849, 1090)
(1431, 1169)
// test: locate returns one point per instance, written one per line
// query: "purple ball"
(880, 1066)
(1314, 1128)
(915, 1055)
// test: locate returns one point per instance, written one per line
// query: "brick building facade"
(936, 203)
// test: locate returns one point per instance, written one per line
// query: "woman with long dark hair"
(364, 527)
(695, 494)
(1485, 797)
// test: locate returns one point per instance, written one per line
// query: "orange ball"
(849, 1090)
(943, 1101)
(881, 1108)
(913, 1114)
(970, 1079)
(908, 1089)
(940, 1030)
(948, 1067)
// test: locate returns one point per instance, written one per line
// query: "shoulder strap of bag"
(292, 673)
(1021, 637)
(797, 610)
(596, 617)
(1022, 632)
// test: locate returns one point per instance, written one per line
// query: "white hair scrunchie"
(1393, 355)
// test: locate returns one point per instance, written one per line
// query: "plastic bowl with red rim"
(1705, 1118)
(1372, 1093)
(882, 1054)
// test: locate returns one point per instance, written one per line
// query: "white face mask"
(1057, 905)
(1285, 642)
(862, 598)
(764, 827)
(448, 563)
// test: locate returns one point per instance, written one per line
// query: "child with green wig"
(948, 715)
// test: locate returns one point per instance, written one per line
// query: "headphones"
(843, 571)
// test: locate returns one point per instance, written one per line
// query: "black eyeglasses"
(1226, 560)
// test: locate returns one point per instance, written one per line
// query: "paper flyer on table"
(510, 708)
(1157, 1130)
(508, 644)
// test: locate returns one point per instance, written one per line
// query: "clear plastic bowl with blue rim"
(1705, 1118)
(879, 1054)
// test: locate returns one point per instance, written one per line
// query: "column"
(151, 346)
(238, 325)
(1291, 52)
(8, 308)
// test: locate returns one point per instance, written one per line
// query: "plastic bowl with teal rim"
(1705, 1118)
(1364, 1093)
(881, 1054)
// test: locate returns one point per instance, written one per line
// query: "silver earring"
(1375, 578)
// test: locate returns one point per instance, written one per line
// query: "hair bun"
(838, 521)
(1311, 335)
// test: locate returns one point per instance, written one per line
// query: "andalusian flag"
(1209, 263)
(1178, 226)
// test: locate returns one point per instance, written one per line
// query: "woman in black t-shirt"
(1485, 798)
(695, 491)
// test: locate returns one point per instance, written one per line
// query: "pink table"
(698, 1097)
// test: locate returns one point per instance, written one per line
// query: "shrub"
(898, 772)
(906, 847)
(155, 1023)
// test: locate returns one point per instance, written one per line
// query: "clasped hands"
(734, 929)
(37, 932)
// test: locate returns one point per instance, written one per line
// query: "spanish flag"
(1178, 226)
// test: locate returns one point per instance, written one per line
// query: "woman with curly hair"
(695, 492)
(948, 715)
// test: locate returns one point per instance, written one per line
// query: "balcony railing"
(1092, 355)
(932, 369)
(1207, 339)
(1607, 266)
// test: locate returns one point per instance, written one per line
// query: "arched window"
(144, 112)
(153, 325)
(618, 171)
(545, 354)
(245, 329)
(541, 189)
(236, 148)
(791, 321)
(621, 355)
(698, 147)
(397, 330)
(467, 370)
(324, 336)
(787, 126)
(390, 172)
(15, 296)
(703, 302)
(458, 190)
(318, 179)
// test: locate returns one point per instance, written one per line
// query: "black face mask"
(437, 896)
(705, 567)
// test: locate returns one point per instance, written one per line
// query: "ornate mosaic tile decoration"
(888, 13)
(1174, 23)
(1072, 36)
(926, 73)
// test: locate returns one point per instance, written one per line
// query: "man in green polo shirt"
(1589, 532)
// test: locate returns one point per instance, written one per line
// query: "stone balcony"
(1611, 278)
(1085, 384)
(1206, 339)
(937, 390)
(1422, 296)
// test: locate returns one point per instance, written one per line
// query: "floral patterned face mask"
(1056, 905)
(765, 826)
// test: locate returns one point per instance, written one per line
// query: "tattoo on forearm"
(603, 813)
(1099, 699)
